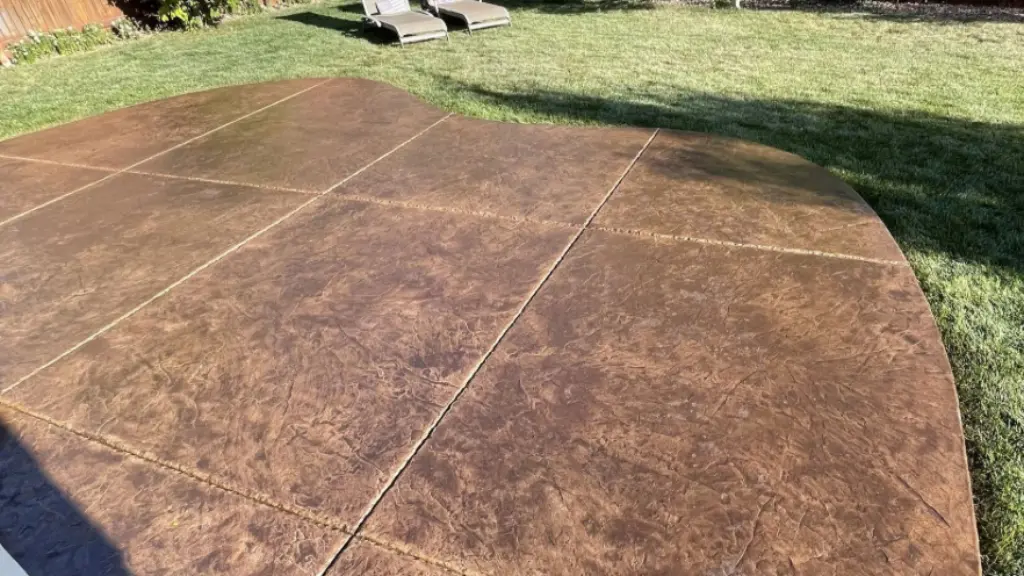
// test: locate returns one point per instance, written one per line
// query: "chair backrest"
(385, 7)
(370, 7)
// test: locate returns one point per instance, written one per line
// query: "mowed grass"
(925, 119)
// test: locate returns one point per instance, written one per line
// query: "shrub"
(190, 14)
(247, 7)
(37, 46)
(127, 29)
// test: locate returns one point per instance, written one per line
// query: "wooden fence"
(18, 17)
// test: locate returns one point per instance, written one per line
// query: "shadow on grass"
(547, 6)
(941, 185)
(318, 20)
(577, 6)
(145, 12)
(947, 18)
(350, 28)
(945, 13)
(40, 527)
(937, 13)
(357, 8)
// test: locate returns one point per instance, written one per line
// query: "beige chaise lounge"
(410, 25)
(474, 13)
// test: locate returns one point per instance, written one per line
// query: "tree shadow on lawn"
(357, 7)
(145, 12)
(350, 28)
(577, 6)
(908, 13)
(546, 6)
(951, 18)
(941, 185)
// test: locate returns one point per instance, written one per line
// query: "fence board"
(19, 17)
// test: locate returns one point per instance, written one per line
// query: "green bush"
(191, 14)
(246, 8)
(37, 46)
(33, 47)
(127, 29)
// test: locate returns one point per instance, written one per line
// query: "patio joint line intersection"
(355, 533)
(211, 479)
(161, 153)
(400, 550)
(212, 261)
(106, 328)
(478, 213)
(453, 211)
(194, 474)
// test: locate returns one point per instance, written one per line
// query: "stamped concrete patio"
(320, 326)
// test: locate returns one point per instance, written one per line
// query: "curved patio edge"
(495, 347)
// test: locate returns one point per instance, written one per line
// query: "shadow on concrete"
(41, 528)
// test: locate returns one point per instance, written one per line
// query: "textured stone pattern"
(321, 327)
(73, 506)
(736, 410)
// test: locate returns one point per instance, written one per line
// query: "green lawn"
(925, 119)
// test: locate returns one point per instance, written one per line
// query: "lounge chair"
(474, 13)
(410, 25)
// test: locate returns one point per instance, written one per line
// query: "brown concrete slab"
(365, 559)
(121, 138)
(709, 187)
(306, 365)
(72, 507)
(663, 406)
(310, 142)
(672, 408)
(68, 269)
(556, 173)
(25, 185)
